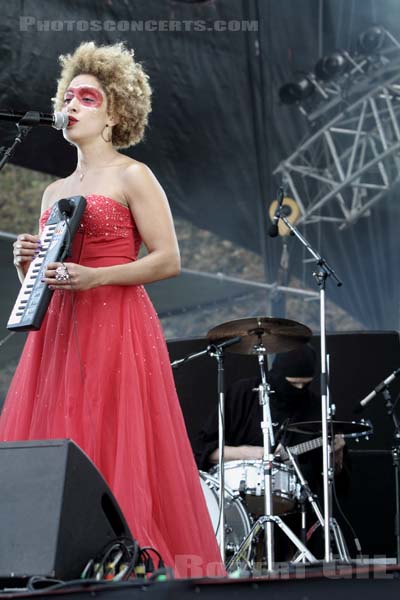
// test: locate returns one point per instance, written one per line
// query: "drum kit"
(269, 485)
(249, 496)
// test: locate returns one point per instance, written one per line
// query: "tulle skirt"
(98, 372)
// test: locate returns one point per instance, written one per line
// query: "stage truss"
(351, 158)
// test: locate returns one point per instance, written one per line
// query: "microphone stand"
(24, 126)
(383, 388)
(390, 406)
(321, 275)
(217, 351)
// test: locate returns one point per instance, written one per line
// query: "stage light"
(330, 66)
(371, 40)
(296, 91)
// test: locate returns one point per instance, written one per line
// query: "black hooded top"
(243, 412)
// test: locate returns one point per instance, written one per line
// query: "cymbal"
(348, 428)
(274, 335)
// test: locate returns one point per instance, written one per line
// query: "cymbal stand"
(267, 521)
(268, 442)
(333, 526)
(217, 351)
(321, 275)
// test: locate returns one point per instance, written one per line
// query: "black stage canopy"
(217, 130)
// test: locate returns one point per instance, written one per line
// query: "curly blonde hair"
(123, 80)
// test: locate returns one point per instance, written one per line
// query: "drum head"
(237, 520)
(246, 477)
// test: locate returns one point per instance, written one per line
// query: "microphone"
(273, 230)
(58, 120)
(225, 344)
(379, 388)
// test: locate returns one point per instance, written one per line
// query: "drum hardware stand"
(217, 352)
(303, 522)
(307, 495)
(280, 335)
(321, 275)
(264, 392)
(338, 538)
(267, 521)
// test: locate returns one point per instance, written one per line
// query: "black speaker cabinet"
(56, 510)
(370, 502)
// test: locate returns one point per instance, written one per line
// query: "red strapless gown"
(98, 372)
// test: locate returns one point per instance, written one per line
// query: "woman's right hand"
(26, 248)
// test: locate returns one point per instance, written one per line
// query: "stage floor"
(377, 578)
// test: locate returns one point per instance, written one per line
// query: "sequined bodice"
(107, 233)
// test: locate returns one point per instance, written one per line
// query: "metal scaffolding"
(352, 156)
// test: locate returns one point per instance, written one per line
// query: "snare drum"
(237, 521)
(247, 478)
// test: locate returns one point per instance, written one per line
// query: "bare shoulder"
(135, 168)
(50, 194)
(140, 182)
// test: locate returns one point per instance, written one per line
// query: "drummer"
(291, 401)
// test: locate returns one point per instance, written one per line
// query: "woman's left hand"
(339, 447)
(69, 276)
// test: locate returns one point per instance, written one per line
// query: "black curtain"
(217, 130)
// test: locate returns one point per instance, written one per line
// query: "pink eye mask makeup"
(87, 95)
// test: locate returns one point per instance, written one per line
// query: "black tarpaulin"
(217, 130)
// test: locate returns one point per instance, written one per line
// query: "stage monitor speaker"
(56, 510)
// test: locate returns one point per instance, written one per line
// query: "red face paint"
(87, 95)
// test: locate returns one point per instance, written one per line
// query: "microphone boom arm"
(25, 122)
(321, 262)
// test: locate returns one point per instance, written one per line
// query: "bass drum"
(237, 521)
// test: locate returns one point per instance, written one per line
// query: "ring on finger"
(62, 273)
